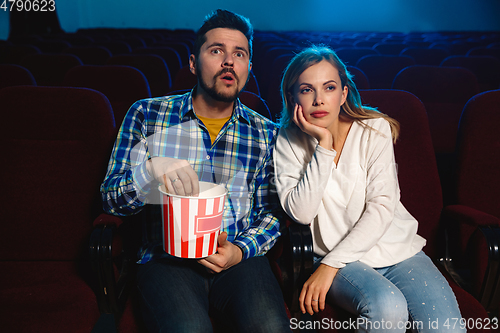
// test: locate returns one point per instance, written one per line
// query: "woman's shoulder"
(375, 122)
(377, 126)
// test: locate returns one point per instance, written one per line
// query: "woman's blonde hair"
(352, 108)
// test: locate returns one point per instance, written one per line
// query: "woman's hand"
(323, 135)
(313, 295)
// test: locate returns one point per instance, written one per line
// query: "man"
(206, 134)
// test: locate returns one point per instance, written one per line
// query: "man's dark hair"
(223, 19)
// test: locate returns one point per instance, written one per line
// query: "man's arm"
(264, 226)
(127, 180)
(262, 221)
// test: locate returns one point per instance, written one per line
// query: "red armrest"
(107, 219)
(461, 222)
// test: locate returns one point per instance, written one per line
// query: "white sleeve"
(302, 171)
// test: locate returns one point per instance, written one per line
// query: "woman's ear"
(290, 97)
(345, 92)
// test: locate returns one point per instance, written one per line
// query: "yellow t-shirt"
(214, 125)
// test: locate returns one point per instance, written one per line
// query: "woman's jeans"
(182, 296)
(412, 294)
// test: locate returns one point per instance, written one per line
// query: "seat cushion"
(45, 296)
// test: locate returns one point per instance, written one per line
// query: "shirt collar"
(239, 111)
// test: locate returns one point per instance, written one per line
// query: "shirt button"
(208, 157)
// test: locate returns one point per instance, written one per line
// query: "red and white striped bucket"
(191, 225)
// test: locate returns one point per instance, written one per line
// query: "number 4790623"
(28, 5)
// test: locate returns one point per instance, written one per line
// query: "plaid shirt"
(240, 158)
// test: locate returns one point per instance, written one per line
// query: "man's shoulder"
(163, 99)
(160, 104)
(259, 120)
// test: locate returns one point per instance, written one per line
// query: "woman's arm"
(302, 171)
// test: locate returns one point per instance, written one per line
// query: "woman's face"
(319, 91)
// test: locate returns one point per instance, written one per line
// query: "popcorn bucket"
(191, 225)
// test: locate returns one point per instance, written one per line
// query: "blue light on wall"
(284, 15)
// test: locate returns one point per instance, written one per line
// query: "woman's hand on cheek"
(313, 295)
(321, 134)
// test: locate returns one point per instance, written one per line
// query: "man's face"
(223, 64)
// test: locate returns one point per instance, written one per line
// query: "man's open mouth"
(227, 76)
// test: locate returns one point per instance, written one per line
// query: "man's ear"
(250, 66)
(192, 64)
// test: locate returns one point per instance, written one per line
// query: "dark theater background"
(70, 69)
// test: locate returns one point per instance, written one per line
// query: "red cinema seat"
(444, 92)
(152, 66)
(53, 167)
(122, 85)
(473, 222)
(15, 75)
(50, 69)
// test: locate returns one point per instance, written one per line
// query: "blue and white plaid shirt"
(240, 158)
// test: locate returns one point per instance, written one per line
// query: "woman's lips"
(319, 114)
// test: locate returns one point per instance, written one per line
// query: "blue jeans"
(181, 296)
(412, 294)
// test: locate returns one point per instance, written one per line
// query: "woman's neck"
(340, 130)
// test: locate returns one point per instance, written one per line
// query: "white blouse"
(353, 207)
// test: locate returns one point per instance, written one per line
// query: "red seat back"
(90, 54)
(122, 85)
(382, 69)
(389, 48)
(152, 66)
(14, 54)
(486, 69)
(351, 55)
(170, 55)
(53, 167)
(444, 92)
(359, 77)
(15, 75)
(478, 151)
(254, 102)
(49, 69)
(417, 170)
(426, 56)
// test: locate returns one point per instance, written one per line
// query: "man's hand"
(227, 255)
(177, 175)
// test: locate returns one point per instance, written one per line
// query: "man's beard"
(218, 95)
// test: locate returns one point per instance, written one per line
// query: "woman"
(335, 167)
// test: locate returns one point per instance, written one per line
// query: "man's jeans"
(182, 296)
(411, 294)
